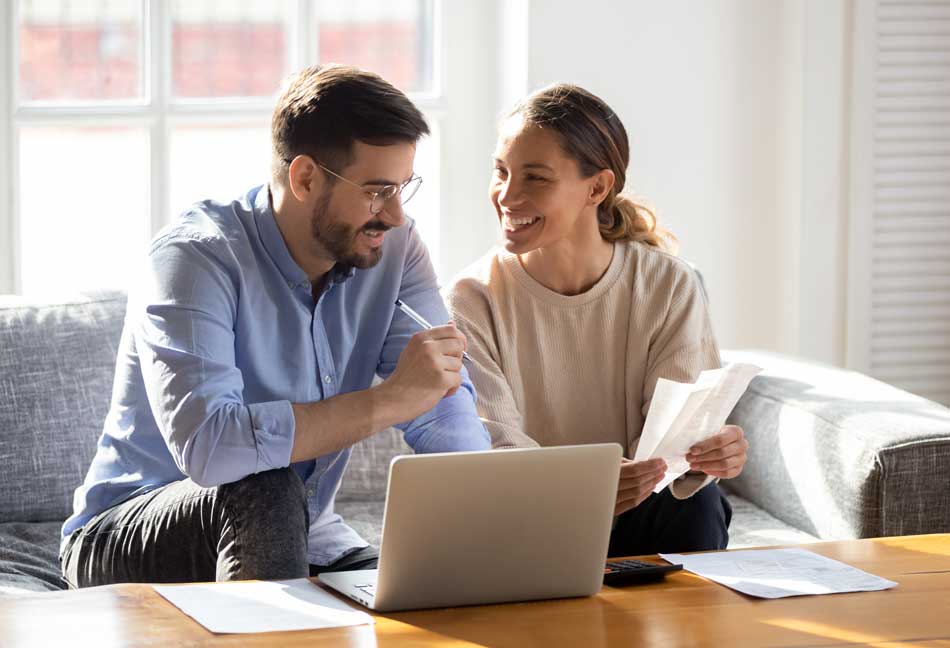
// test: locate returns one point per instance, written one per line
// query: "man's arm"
(427, 370)
(182, 320)
(451, 423)
(184, 336)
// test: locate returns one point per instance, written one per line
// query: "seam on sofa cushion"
(51, 306)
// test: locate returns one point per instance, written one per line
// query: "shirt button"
(327, 379)
(310, 493)
(290, 284)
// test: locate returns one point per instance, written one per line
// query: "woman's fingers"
(723, 455)
(629, 499)
(637, 481)
(632, 469)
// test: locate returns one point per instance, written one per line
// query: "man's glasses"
(404, 191)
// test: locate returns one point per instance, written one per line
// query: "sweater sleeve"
(495, 401)
(683, 346)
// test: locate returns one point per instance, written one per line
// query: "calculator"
(627, 572)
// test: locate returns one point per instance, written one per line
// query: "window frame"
(158, 113)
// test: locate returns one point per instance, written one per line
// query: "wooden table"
(684, 610)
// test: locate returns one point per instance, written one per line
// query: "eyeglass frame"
(396, 189)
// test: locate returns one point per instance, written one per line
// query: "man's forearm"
(339, 422)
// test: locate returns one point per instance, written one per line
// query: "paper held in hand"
(683, 414)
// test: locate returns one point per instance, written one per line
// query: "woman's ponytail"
(626, 220)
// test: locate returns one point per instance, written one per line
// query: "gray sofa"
(834, 454)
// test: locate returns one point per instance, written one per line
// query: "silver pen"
(421, 321)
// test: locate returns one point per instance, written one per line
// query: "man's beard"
(339, 239)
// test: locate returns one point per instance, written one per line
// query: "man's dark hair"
(324, 109)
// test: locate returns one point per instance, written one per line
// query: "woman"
(573, 322)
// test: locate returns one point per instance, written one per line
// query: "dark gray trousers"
(662, 523)
(255, 528)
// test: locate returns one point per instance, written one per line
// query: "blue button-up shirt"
(224, 334)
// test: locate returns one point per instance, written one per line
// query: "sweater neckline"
(541, 292)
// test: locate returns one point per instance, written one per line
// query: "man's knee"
(274, 496)
(266, 527)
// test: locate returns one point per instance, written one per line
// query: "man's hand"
(723, 455)
(428, 370)
(637, 481)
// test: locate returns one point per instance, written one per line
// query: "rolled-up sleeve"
(185, 340)
(453, 424)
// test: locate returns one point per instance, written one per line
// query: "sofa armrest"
(839, 454)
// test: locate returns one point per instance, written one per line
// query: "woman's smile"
(511, 223)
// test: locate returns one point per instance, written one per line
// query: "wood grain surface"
(683, 610)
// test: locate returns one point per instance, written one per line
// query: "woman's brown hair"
(592, 134)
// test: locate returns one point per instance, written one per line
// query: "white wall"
(735, 111)
(7, 261)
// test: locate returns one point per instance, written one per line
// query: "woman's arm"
(683, 347)
(495, 399)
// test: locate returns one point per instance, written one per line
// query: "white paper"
(776, 573)
(262, 606)
(683, 414)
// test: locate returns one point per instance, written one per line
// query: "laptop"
(496, 526)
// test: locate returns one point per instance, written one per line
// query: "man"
(245, 369)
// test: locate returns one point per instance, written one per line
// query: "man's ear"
(603, 182)
(304, 178)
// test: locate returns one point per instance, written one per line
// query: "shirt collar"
(341, 272)
(276, 247)
(273, 240)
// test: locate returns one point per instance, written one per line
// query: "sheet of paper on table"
(777, 573)
(682, 414)
(262, 606)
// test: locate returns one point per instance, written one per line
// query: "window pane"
(390, 37)
(227, 49)
(425, 207)
(83, 207)
(86, 50)
(220, 162)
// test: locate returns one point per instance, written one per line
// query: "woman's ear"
(603, 182)
(303, 178)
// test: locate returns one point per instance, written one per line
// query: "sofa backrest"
(57, 362)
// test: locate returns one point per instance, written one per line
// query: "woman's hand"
(723, 455)
(637, 480)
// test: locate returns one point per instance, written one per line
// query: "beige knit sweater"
(552, 369)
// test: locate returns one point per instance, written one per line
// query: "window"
(124, 112)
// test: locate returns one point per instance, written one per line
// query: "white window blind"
(908, 237)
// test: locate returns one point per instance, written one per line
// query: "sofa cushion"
(56, 368)
(754, 527)
(365, 517)
(29, 558)
(840, 455)
(368, 470)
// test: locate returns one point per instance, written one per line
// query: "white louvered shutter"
(909, 230)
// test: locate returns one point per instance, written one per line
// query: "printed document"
(683, 414)
(777, 573)
(262, 606)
